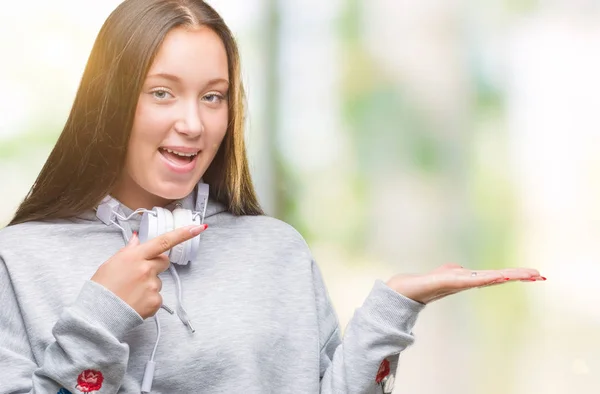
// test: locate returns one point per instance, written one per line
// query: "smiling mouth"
(177, 158)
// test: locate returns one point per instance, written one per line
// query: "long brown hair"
(88, 158)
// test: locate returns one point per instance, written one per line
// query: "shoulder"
(22, 230)
(19, 235)
(272, 226)
(40, 233)
(11, 235)
(266, 232)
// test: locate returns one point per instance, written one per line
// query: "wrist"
(407, 289)
(101, 307)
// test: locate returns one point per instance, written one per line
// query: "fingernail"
(543, 278)
(135, 233)
(506, 278)
(198, 229)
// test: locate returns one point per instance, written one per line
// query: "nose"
(190, 120)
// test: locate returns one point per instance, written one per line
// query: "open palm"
(453, 278)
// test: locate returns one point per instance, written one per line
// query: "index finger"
(167, 241)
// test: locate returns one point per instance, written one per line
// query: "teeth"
(179, 153)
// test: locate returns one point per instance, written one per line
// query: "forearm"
(87, 352)
(379, 330)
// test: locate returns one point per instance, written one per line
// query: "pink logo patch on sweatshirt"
(89, 380)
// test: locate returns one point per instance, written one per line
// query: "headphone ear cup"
(180, 253)
(194, 243)
(169, 225)
(155, 223)
(149, 225)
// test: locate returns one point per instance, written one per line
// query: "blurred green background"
(396, 136)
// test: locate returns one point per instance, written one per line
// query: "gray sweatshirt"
(263, 320)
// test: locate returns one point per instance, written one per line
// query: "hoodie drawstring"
(183, 316)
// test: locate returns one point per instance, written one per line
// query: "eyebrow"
(176, 79)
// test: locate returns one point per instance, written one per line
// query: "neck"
(134, 197)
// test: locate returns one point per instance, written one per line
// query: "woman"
(156, 127)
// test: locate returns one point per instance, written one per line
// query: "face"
(180, 120)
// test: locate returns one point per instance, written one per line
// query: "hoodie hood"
(190, 201)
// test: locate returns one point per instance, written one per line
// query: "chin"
(173, 190)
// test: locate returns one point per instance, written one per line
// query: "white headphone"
(160, 220)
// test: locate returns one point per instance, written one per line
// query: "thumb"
(134, 240)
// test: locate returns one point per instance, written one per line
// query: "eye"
(213, 98)
(161, 94)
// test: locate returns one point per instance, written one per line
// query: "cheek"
(149, 126)
(216, 127)
(146, 134)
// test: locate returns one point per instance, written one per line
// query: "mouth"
(179, 157)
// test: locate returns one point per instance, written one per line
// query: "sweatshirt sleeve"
(365, 361)
(86, 353)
